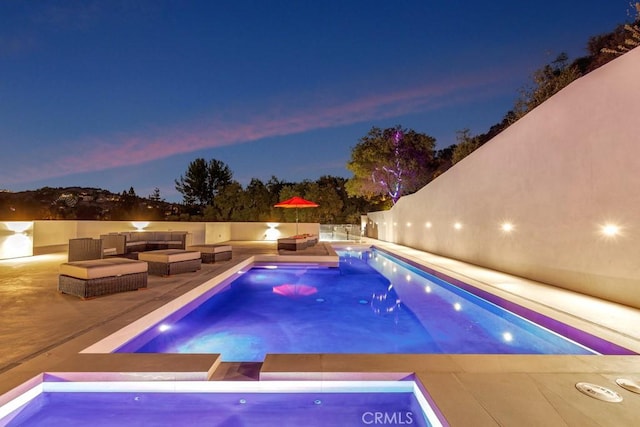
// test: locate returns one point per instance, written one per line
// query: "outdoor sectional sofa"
(86, 248)
(142, 241)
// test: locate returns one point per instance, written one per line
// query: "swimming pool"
(353, 309)
(210, 403)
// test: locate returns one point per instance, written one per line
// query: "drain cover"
(599, 392)
(630, 385)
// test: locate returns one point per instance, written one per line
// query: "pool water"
(230, 409)
(120, 404)
(353, 309)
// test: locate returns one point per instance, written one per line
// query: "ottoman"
(166, 262)
(212, 253)
(91, 278)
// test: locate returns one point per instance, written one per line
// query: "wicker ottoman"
(166, 262)
(92, 278)
(213, 253)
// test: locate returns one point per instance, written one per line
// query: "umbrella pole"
(296, 221)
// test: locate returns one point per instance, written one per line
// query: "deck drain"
(599, 392)
(629, 385)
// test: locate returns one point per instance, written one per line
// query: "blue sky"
(114, 94)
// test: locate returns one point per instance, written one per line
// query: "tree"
(330, 204)
(203, 181)
(547, 81)
(632, 39)
(390, 163)
(259, 202)
(230, 202)
(443, 160)
(466, 145)
(155, 196)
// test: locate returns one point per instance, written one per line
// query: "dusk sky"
(126, 93)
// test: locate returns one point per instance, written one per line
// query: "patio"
(43, 331)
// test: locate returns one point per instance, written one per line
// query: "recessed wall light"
(610, 230)
(507, 227)
(140, 225)
(457, 226)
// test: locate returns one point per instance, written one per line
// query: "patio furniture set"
(104, 266)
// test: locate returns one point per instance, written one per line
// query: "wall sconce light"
(18, 226)
(18, 241)
(272, 232)
(428, 225)
(457, 226)
(140, 225)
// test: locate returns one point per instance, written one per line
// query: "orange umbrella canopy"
(296, 202)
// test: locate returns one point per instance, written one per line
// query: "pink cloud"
(125, 150)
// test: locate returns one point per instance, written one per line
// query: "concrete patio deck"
(43, 331)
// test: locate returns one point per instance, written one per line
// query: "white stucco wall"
(53, 233)
(560, 173)
(50, 236)
(271, 230)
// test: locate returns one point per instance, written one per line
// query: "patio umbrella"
(296, 202)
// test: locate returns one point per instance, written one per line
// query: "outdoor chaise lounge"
(171, 261)
(213, 253)
(312, 239)
(296, 243)
(91, 278)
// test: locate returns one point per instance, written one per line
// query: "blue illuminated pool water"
(353, 309)
(119, 407)
(229, 409)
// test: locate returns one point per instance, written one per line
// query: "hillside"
(82, 203)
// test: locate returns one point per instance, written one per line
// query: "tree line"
(211, 194)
